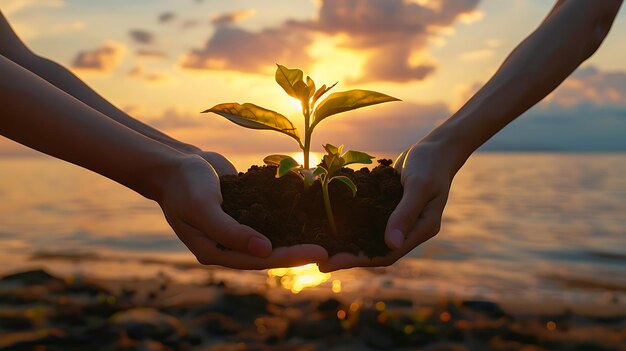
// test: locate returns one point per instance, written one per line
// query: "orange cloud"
(592, 86)
(232, 17)
(389, 32)
(103, 59)
(141, 36)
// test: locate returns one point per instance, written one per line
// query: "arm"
(569, 35)
(14, 49)
(37, 114)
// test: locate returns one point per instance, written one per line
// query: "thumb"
(404, 217)
(226, 231)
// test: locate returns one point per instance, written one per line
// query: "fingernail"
(396, 239)
(259, 246)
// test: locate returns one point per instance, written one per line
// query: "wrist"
(450, 144)
(155, 178)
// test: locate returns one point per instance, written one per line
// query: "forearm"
(536, 67)
(65, 80)
(14, 49)
(37, 114)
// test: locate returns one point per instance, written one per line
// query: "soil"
(281, 209)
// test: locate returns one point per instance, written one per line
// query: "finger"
(207, 252)
(225, 230)
(404, 217)
(398, 164)
(428, 225)
(342, 260)
(221, 164)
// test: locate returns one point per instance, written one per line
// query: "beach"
(41, 311)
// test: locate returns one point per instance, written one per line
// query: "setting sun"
(314, 158)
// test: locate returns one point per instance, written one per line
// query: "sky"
(164, 61)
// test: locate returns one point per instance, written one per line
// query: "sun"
(295, 104)
(314, 158)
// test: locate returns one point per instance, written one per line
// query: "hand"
(220, 164)
(191, 201)
(426, 174)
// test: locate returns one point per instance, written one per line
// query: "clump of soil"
(281, 209)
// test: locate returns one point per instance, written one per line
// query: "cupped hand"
(190, 198)
(426, 173)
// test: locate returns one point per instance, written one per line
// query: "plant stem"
(307, 137)
(329, 210)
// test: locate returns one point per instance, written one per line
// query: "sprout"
(292, 81)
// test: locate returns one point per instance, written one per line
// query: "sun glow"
(297, 278)
(295, 104)
(314, 158)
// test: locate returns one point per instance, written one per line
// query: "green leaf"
(285, 166)
(348, 100)
(321, 91)
(352, 156)
(302, 93)
(319, 171)
(256, 117)
(287, 78)
(311, 84)
(274, 160)
(347, 181)
(332, 150)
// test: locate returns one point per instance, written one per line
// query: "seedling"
(326, 172)
(291, 80)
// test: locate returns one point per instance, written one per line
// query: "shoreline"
(67, 313)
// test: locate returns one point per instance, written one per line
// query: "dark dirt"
(281, 209)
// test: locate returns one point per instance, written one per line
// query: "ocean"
(527, 226)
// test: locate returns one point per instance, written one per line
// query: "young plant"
(326, 172)
(292, 81)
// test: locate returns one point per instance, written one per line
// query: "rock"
(24, 340)
(216, 323)
(34, 277)
(244, 308)
(330, 305)
(315, 327)
(142, 323)
(15, 321)
(398, 303)
(445, 346)
(487, 307)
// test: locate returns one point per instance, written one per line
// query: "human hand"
(221, 164)
(190, 198)
(426, 173)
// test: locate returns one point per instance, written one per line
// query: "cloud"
(139, 72)
(389, 32)
(232, 48)
(559, 128)
(586, 113)
(173, 118)
(103, 59)
(10, 7)
(476, 55)
(141, 36)
(232, 17)
(167, 17)
(589, 85)
(154, 54)
(136, 72)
